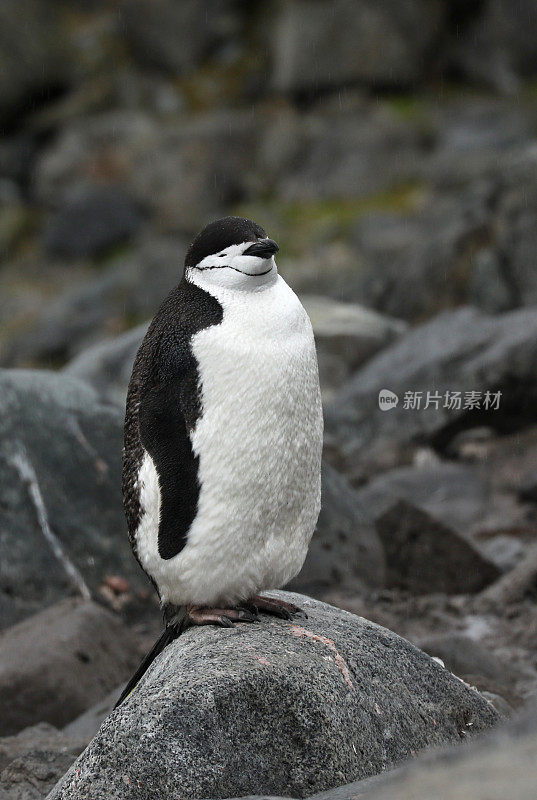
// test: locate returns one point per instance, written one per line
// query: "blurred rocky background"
(390, 147)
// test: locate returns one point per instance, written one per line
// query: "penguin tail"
(172, 630)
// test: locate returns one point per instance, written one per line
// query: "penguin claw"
(250, 609)
(246, 615)
(278, 608)
(225, 617)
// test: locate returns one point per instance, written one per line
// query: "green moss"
(298, 225)
(408, 107)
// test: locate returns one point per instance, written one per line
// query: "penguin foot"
(278, 608)
(225, 617)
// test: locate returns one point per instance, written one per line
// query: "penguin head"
(232, 252)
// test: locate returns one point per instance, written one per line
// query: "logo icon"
(387, 400)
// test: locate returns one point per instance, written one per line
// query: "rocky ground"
(390, 149)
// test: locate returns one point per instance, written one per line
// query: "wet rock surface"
(502, 763)
(346, 550)
(273, 693)
(90, 222)
(473, 351)
(424, 555)
(32, 761)
(56, 664)
(61, 526)
(318, 44)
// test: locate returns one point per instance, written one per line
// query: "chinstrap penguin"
(223, 436)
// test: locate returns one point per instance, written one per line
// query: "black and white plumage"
(223, 430)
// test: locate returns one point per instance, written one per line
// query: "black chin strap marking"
(227, 266)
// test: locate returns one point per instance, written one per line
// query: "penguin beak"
(262, 249)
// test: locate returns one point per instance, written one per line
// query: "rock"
(91, 221)
(175, 37)
(33, 56)
(513, 587)
(320, 162)
(311, 704)
(345, 551)
(346, 335)
(324, 45)
(453, 493)
(130, 288)
(14, 219)
(181, 171)
(42, 737)
(461, 351)
(503, 550)
(34, 760)
(107, 366)
(484, 231)
(33, 776)
(499, 765)
(469, 660)
(423, 555)
(17, 154)
(68, 322)
(493, 46)
(56, 664)
(62, 527)
(85, 726)
(504, 709)
(515, 238)
(475, 147)
(416, 264)
(528, 488)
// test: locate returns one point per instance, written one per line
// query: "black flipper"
(173, 629)
(163, 406)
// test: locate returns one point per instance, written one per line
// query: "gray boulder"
(42, 736)
(91, 221)
(453, 493)
(182, 170)
(322, 45)
(33, 761)
(345, 551)
(281, 708)
(494, 45)
(107, 366)
(471, 661)
(62, 529)
(416, 264)
(56, 664)
(32, 55)
(516, 238)
(175, 37)
(423, 555)
(460, 351)
(130, 288)
(84, 727)
(32, 776)
(499, 765)
(346, 335)
(326, 156)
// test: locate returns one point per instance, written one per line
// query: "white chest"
(258, 369)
